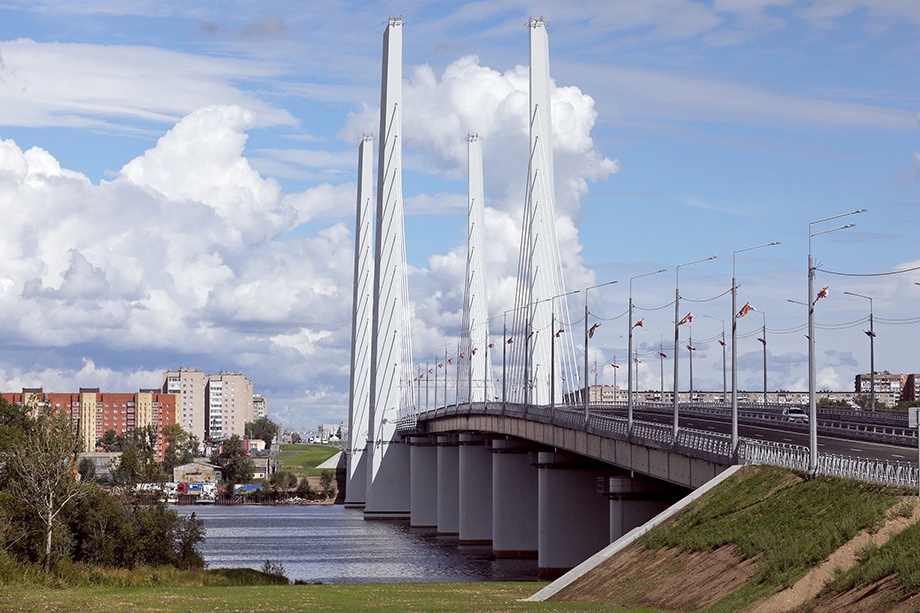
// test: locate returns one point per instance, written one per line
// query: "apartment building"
(259, 406)
(888, 386)
(92, 412)
(211, 407)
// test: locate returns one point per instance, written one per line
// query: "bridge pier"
(635, 500)
(574, 519)
(475, 490)
(423, 474)
(514, 500)
(448, 485)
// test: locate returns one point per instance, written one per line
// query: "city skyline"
(193, 198)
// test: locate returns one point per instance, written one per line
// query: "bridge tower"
(387, 493)
(540, 351)
(476, 383)
(359, 395)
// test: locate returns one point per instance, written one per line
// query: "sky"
(177, 182)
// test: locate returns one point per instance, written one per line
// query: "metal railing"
(690, 442)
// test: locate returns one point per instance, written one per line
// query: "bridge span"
(544, 482)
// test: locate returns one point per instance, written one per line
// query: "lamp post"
(690, 351)
(812, 403)
(552, 348)
(629, 398)
(764, 342)
(722, 342)
(661, 365)
(871, 346)
(735, 346)
(677, 332)
(585, 399)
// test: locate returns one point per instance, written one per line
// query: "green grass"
(347, 598)
(789, 524)
(306, 458)
(900, 556)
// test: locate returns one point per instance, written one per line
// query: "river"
(332, 544)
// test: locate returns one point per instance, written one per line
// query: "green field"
(344, 598)
(306, 458)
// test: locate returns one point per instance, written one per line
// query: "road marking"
(855, 449)
(897, 455)
(788, 440)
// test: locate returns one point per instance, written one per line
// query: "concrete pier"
(448, 485)
(475, 490)
(514, 500)
(423, 473)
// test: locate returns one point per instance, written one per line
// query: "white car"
(796, 414)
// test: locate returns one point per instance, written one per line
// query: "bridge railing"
(695, 443)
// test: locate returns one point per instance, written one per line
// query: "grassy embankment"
(305, 458)
(789, 525)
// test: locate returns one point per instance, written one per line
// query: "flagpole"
(690, 349)
(587, 337)
(677, 336)
(764, 359)
(629, 398)
(661, 364)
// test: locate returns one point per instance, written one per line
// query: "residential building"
(197, 472)
(888, 386)
(212, 407)
(93, 412)
(259, 406)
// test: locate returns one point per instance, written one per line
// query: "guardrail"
(694, 443)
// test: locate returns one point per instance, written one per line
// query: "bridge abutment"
(423, 474)
(448, 485)
(574, 521)
(475, 490)
(515, 487)
(635, 500)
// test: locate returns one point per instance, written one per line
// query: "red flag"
(869, 333)
(431, 370)
(440, 366)
(687, 319)
(637, 360)
(722, 343)
(462, 354)
(821, 294)
(639, 324)
(510, 340)
(691, 348)
(559, 332)
(491, 345)
(664, 355)
(450, 360)
(763, 340)
(614, 365)
(592, 329)
(475, 349)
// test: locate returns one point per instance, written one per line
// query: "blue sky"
(221, 238)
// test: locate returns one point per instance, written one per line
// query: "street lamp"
(677, 331)
(812, 401)
(735, 346)
(764, 342)
(629, 397)
(552, 348)
(586, 345)
(722, 342)
(871, 334)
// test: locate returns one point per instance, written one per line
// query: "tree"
(87, 469)
(237, 466)
(262, 428)
(295, 437)
(864, 401)
(43, 470)
(181, 447)
(326, 481)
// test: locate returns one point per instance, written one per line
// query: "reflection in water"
(332, 544)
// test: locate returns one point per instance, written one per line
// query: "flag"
(747, 308)
(440, 366)
(687, 319)
(722, 343)
(561, 330)
(614, 365)
(869, 333)
(664, 355)
(639, 324)
(491, 345)
(431, 370)
(462, 354)
(637, 360)
(531, 334)
(474, 350)
(495, 397)
(763, 340)
(450, 360)
(691, 348)
(821, 294)
(510, 340)
(592, 329)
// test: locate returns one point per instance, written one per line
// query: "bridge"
(519, 460)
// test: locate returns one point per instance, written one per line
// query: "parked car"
(796, 414)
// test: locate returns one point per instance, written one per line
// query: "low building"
(198, 472)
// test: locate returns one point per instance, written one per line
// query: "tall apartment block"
(259, 406)
(211, 406)
(93, 412)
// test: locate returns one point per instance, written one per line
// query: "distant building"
(607, 393)
(93, 412)
(198, 472)
(890, 388)
(212, 407)
(259, 406)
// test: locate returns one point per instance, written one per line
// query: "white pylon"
(387, 493)
(476, 367)
(538, 317)
(359, 396)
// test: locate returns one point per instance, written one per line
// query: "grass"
(306, 458)
(900, 556)
(344, 598)
(788, 523)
